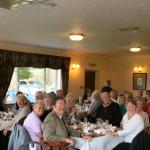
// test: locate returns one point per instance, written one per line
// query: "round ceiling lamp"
(76, 37)
(135, 49)
(29, 0)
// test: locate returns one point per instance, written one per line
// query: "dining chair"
(55, 145)
(141, 141)
(34, 146)
(18, 136)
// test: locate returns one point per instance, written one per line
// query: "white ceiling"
(99, 20)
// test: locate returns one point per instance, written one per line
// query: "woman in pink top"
(33, 123)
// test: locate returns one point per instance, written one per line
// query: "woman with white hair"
(95, 103)
(33, 122)
(70, 103)
(24, 110)
(71, 112)
(49, 101)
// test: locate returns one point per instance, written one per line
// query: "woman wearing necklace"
(132, 123)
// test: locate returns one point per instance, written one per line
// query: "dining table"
(5, 120)
(101, 140)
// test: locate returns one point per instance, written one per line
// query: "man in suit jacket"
(55, 128)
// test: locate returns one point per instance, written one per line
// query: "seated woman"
(71, 112)
(122, 103)
(95, 102)
(139, 110)
(128, 95)
(49, 101)
(87, 96)
(132, 124)
(23, 111)
(114, 95)
(39, 95)
(15, 108)
(33, 122)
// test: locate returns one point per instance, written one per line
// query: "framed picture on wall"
(139, 81)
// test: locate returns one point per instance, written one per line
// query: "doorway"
(89, 82)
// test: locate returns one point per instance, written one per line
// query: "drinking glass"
(86, 121)
(106, 122)
(98, 122)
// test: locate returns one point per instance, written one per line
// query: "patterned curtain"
(10, 59)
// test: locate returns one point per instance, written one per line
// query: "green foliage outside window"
(24, 73)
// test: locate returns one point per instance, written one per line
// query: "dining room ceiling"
(110, 27)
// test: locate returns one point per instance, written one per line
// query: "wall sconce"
(75, 66)
(138, 69)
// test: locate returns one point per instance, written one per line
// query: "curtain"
(10, 59)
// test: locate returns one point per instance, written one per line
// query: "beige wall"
(119, 69)
(122, 69)
(76, 80)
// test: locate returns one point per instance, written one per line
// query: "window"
(29, 80)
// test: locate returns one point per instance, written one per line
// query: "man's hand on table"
(70, 141)
(87, 138)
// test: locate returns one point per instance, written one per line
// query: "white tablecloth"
(4, 124)
(106, 142)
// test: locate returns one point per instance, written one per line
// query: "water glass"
(80, 100)
(106, 122)
(1, 115)
(86, 121)
(98, 122)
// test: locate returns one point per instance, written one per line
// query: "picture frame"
(139, 81)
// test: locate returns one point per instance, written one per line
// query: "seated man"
(114, 95)
(60, 93)
(39, 95)
(109, 110)
(55, 128)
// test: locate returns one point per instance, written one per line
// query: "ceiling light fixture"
(135, 49)
(28, 0)
(15, 4)
(135, 43)
(76, 37)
